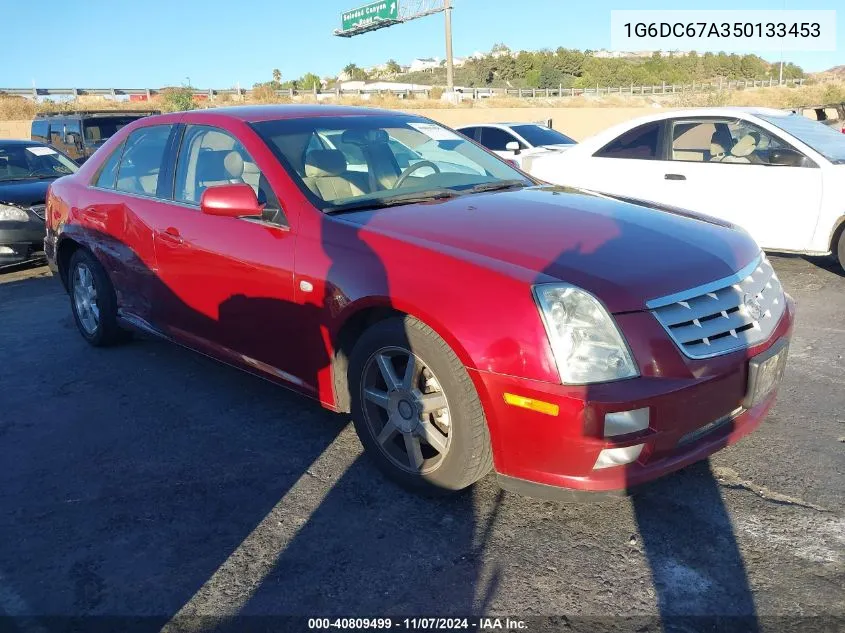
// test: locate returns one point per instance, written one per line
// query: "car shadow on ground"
(204, 504)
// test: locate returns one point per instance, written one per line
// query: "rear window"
(101, 128)
(40, 129)
(541, 135)
(639, 143)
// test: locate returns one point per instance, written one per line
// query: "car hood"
(561, 147)
(24, 192)
(626, 254)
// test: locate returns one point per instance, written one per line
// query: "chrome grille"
(38, 209)
(725, 315)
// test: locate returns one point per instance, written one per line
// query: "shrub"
(177, 99)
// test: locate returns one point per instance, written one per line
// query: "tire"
(384, 426)
(95, 314)
(840, 249)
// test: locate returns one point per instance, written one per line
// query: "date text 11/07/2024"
(420, 624)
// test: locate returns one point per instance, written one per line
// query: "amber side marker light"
(533, 405)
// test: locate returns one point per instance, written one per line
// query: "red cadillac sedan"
(467, 317)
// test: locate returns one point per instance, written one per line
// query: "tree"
(392, 67)
(277, 75)
(309, 81)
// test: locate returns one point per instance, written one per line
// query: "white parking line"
(226, 592)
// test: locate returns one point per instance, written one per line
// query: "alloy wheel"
(85, 299)
(406, 410)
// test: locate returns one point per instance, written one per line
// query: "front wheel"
(415, 408)
(840, 250)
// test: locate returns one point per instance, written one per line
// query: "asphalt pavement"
(149, 481)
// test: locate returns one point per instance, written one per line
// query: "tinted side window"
(73, 126)
(495, 139)
(107, 177)
(639, 143)
(142, 159)
(57, 127)
(470, 132)
(41, 130)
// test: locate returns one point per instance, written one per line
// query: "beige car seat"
(216, 167)
(742, 150)
(720, 141)
(327, 176)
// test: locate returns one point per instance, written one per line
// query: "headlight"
(12, 214)
(587, 345)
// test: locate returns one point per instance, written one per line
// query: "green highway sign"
(373, 12)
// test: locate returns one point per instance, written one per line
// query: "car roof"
(95, 114)
(499, 124)
(680, 113)
(256, 113)
(19, 141)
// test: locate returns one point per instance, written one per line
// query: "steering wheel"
(410, 170)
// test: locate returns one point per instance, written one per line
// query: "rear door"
(126, 205)
(57, 134)
(227, 283)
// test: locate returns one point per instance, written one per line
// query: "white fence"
(142, 94)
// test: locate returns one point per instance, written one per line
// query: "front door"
(227, 283)
(739, 172)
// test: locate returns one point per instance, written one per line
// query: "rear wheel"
(415, 408)
(840, 250)
(93, 302)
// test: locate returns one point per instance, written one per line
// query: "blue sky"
(152, 43)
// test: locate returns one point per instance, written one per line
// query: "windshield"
(541, 135)
(33, 162)
(826, 140)
(375, 160)
(101, 128)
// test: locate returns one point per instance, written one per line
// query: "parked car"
(780, 176)
(832, 115)
(26, 170)
(467, 321)
(79, 134)
(518, 142)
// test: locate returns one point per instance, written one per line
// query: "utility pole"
(450, 64)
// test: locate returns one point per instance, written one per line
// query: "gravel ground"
(149, 481)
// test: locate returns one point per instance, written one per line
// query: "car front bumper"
(695, 409)
(20, 241)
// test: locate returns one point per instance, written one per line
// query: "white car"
(518, 142)
(779, 175)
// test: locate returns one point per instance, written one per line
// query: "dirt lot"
(149, 481)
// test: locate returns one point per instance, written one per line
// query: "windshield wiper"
(497, 186)
(395, 201)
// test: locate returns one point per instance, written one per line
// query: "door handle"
(675, 177)
(171, 234)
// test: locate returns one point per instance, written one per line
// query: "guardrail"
(479, 93)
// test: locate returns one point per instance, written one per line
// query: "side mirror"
(230, 201)
(513, 146)
(788, 158)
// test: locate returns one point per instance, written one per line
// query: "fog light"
(5, 250)
(618, 456)
(622, 422)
